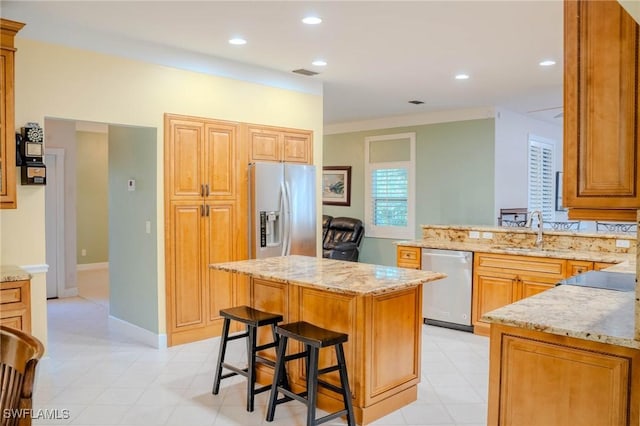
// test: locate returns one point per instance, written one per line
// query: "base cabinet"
(538, 378)
(15, 304)
(500, 280)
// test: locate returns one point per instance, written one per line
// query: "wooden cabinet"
(280, 144)
(500, 279)
(8, 30)
(15, 304)
(409, 257)
(538, 378)
(206, 222)
(601, 114)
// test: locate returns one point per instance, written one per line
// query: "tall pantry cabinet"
(206, 222)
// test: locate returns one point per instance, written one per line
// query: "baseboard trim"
(89, 266)
(143, 335)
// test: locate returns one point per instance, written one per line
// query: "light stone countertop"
(331, 275)
(9, 273)
(588, 313)
(592, 256)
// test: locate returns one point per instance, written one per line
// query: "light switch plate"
(487, 235)
(474, 234)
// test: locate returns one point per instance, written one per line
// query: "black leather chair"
(326, 220)
(342, 239)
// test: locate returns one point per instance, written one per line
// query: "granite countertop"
(595, 314)
(10, 273)
(331, 275)
(527, 230)
(592, 256)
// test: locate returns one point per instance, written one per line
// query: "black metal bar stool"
(313, 339)
(252, 319)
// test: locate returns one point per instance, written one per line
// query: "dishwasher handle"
(464, 257)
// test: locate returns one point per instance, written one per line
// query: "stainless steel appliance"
(282, 205)
(447, 302)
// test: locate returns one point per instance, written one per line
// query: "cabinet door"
(601, 118)
(492, 291)
(597, 266)
(184, 157)
(220, 149)
(264, 144)
(297, 148)
(186, 295)
(219, 247)
(528, 286)
(7, 143)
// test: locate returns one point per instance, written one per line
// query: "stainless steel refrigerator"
(282, 204)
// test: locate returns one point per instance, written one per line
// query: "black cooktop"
(619, 281)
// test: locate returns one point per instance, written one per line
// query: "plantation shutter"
(541, 184)
(389, 196)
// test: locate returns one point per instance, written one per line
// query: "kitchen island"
(379, 307)
(565, 356)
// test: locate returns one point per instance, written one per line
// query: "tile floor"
(103, 378)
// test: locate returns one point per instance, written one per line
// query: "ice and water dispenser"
(270, 227)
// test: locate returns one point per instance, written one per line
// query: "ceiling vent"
(305, 72)
(416, 102)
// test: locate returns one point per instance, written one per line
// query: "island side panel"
(586, 382)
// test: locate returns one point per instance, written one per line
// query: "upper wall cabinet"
(280, 144)
(601, 115)
(8, 30)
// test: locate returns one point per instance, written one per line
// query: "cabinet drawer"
(540, 266)
(13, 293)
(409, 257)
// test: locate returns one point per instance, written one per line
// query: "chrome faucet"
(537, 213)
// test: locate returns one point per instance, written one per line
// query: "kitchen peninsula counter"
(379, 307)
(570, 347)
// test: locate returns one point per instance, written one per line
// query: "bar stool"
(252, 319)
(313, 338)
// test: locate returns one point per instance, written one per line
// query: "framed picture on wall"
(336, 185)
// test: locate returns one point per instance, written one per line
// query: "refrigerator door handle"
(286, 219)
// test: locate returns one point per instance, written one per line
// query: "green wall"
(92, 213)
(133, 253)
(454, 174)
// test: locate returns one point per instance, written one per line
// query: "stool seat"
(314, 338)
(252, 319)
(312, 335)
(251, 316)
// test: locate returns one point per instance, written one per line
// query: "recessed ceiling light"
(311, 20)
(547, 63)
(462, 76)
(237, 41)
(319, 63)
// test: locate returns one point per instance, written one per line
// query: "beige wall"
(61, 82)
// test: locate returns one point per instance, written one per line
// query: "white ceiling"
(380, 54)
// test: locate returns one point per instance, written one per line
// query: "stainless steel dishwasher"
(447, 302)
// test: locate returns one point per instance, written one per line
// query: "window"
(389, 186)
(541, 186)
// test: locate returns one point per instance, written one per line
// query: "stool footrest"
(238, 336)
(329, 369)
(331, 416)
(330, 386)
(266, 346)
(290, 395)
(236, 371)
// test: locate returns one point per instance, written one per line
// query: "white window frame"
(395, 232)
(544, 143)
